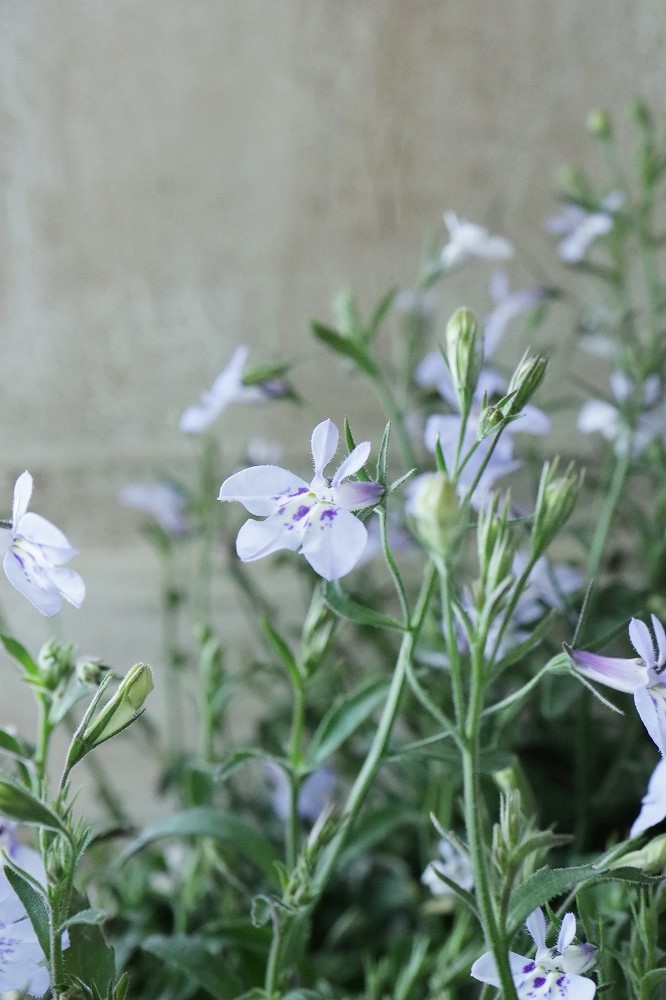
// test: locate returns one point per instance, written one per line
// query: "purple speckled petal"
(333, 541)
(261, 488)
(257, 539)
(21, 574)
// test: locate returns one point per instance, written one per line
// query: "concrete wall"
(179, 176)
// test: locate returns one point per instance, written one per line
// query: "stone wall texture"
(179, 176)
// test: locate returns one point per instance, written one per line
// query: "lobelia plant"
(428, 786)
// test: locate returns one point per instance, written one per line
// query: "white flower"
(163, 501)
(579, 228)
(468, 240)
(313, 518)
(653, 806)
(611, 420)
(227, 388)
(508, 306)
(454, 864)
(35, 556)
(553, 974)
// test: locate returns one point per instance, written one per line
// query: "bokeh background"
(179, 177)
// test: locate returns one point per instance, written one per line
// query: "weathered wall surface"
(180, 177)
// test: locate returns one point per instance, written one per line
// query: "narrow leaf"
(21, 655)
(20, 804)
(345, 346)
(342, 719)
(34, 904)
(284, 653)
(190, 955)
(381, 309)
(344, 606)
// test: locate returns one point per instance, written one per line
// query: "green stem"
(291, 827)
(173, 693)
(395, 416)
(609, 504)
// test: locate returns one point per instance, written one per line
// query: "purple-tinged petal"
(36, 529)
(652, 711)
(21, 575)
(22, 494)
(660, 636)
(579, 958)
(641, 640)
(324, 445)
(315, 793)
(536, 926)
(353, 462)
(333, 541)
(567, 932)
(621, 674)
(357, 494)
(261, 488)
(653, 808)
(257, 539)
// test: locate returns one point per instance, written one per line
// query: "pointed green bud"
(599, 124)
(122, 709)
(435, 511)
(464, 354)
(490, 421)
(495, 550)
(525, 381)
(555, 501)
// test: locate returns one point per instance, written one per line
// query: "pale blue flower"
(612, 421)
(313, 518)
(163, 501)
(643, 676)
(226, 389)
(314, 795)
(468, 240)
(35, 556)
(554, 973)
(580, 228)
(453, 863)
(508, 306)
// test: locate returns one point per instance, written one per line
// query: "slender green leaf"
(346, 607)
(342, 719)
(283, 652)
(16, 746)
(381, 309)
(344, 345)
(197, 960)
(208, 822)
(380, 474)
(34, 903)
(21, 655)
(16, 802)
(240, 757)
(61, 707)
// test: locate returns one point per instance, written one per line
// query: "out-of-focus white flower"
(580, 228)
(163, 501)
(508, 306)
(35, 556)
(468, 240)
(453, 863)
(227, 388)
(653, 806)
(611, 420)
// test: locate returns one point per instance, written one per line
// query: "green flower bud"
(122, 709)
(464, 353)
(496, 550)
(435, 509)
(650, 859)
(555, 501)
(91, 670)
(525, 381)
(599, 124)
(56, 662)
(490, 421)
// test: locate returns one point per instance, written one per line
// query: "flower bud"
(435, 509)
(579, 958)
(56, 662)
(555, 501)
(490, 421)
(599, 124)
(495, 548)
(650, 859)
(122, 709)
(90, 670)
(525, 381)
(464, 353)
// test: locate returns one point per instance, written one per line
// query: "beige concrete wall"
(181, 175)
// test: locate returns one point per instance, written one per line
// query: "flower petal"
(653, 807)
(567, 932)
(36, 529)
(333, 541)
(257, 539)
(660, 636)
(618, 673)
(353, 462)
(262, 488)
(652, 710)
(68, 583)
(324, 443)
(536, 926)
(357, 494)
(22, 494)
(20, 574)
(641, 640)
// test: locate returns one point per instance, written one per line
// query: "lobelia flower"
(468, 240)
(453, 863)
(612, 422)
(227, 388)
(579, 228)
(554, 973)
(22, 961)
(35, 556)
(508, 306)
(163, 501)
(314, 795)
(313, 518)
(653, 806)
(641, 676)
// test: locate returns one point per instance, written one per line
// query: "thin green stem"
(395, 415)
(295, 739)
(607, 512)
(451, 643)
(393, 568)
